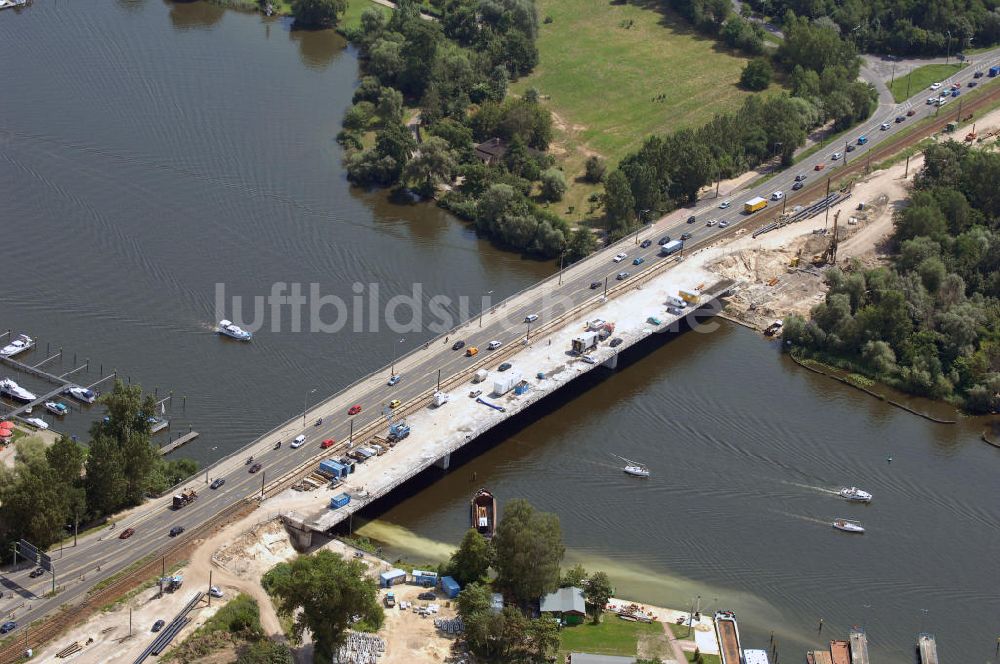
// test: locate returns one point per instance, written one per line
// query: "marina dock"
(178, 443)
(859, 646)
(927, 648)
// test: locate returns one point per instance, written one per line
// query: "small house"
(425, 579)
(492, 151)
(567, 604)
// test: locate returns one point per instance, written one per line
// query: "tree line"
(900, 27)
(929, 323)
(68, 483)
(668, 171)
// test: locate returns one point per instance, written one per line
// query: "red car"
(128, 532)
(326, 443)
(910, 113)
(820, 166)
(355, 409)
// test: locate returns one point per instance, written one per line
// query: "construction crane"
(829, 255)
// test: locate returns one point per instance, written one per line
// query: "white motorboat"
(855, 494)
(81, 394)
(37, 422)
(848, 526)
(634, 468)
(233, 331)
(56, 408)
(14, 391)
(157, 424)
(20, 344)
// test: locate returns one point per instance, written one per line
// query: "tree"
(529, 549)
(33, 504)
(105, 482)
(323, 592)
(432, 164)
(127, 429)
(574, 577)
(595, 169)
(553, 184)
(471, 561)
(264, 651)
(317, 14)
(597, 591)
(619, 204)
(581, 244)
(757, 74)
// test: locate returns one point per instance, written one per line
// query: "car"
(800, 177)
(645, 243)
(128, 532)
(973, 84)
(504, 366)
(329, 442)
(37, 572)
(930, 102)
(691, 219)
(663, 240)
(685, 236)
(594, 285)
(674, 311)
(458, 345)
(475, 393)
(427, 596)
(531, 318)
(944, 93)
(777, 196)
(820, 166)
(935, 86)
(900, 118)
(956, 86)
(255, 468)
(620, 257)
(394, 403)
(493, 345)
(798, 185)
(723, 224)
(978, 74)
(835, 156)
(850, 147)
(617, 341)
(8, 626)
(910, 113)
(393, 379)
(621, 276)
(589, 359)
(298, 442)
(711, 222)
(955, 93)
(639, 261)
(218, 482)
(158, 625)
(354, 410)
(471, 351)
(215, 591)
(724, 205)
(176, 530)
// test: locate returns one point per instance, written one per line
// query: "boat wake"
(817, 489)
(802, 517)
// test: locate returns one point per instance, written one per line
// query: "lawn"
(614, 74)
(921, 79)
(612, 637)
(352, 17)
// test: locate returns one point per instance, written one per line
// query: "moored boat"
(19, 344)
(157, 424)
(11, 389)
(233, 331)
(56, 408)
(848, 526)
(483, 510)
(81, 394)
(855, 494)
(728, 633)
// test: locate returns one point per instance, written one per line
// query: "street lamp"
(483, 310)
(948, 49)
(561, 257)
(305, 407)
(392, 367)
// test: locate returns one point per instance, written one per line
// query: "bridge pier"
(444, 462)
(298, 533)
(611, 362)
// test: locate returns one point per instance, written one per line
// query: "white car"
(711, 222)
(835, 156)
(589, 359)
(884, 126)
(777, 196)
(37, 422)
(215, 591)
(395, 378)
(724, 205)
(620, 257)
(930, 102)
(494, 345)
(935, 86)
(531, 318)
(723, 223)
(299, 441)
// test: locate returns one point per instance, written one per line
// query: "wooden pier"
(859, 646)
(180, 442)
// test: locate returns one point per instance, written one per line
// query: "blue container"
(332, 468)
(520, 388)
(450, 587)
(340, 500)
(392, 577)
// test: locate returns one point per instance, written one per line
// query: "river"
(150, 151)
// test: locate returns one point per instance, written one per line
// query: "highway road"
(77, 567)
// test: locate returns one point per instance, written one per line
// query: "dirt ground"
(9, 452)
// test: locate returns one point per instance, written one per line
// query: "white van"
(494, 345)
(676, 302)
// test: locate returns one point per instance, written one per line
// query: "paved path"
(675, 644)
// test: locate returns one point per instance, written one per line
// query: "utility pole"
(263, 474)
(130, 621)
(826, 219)
(210, 588)
(845, 152)
(439, 381)
(350, 437)
(906, 171)
(561, 257)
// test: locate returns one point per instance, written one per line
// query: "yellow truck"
(691, 296)
(754, 204)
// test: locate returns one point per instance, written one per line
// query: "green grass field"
(612, 637)
(921, 79)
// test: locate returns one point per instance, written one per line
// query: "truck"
(585, 342)
(754, 204)
(994, 71)
(390, 599)
(441, 398)
(171, 583)
(671, 247)
(398, 431)
(183, 498)
(691, 296)
(504, 383)
(480, 376)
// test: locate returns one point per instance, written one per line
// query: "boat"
(11, 389)
(848, 526)
(233, 331)
(728, 632)
(56, 408)
(634, 468)
(855, 494)
(20, 344)
(37, 422)
(483, 512)
(157, 424)
(81, 394)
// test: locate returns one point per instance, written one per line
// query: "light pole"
(948, 49)
(483, 310)
(392, 368)
(305, 405)
(561, 257)
(528, 334)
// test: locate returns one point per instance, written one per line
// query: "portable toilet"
(450, 587)
(340, 500)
